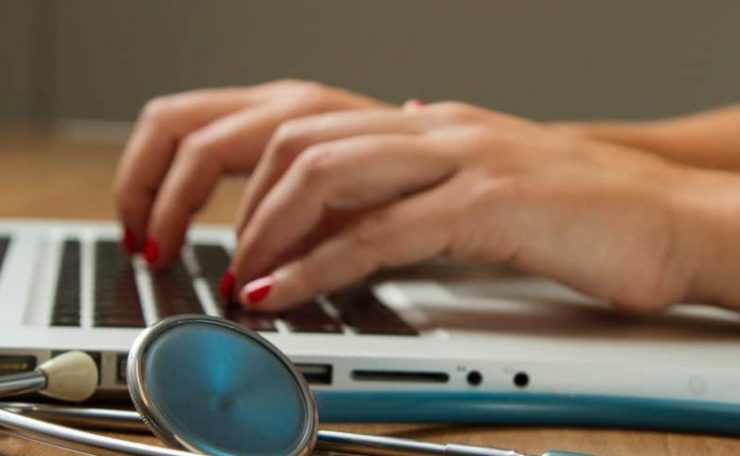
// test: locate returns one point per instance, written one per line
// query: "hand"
(457, 181)
(183, 143)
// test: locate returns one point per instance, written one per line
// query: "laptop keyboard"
(4, 242)
(359, 308)
(174, 293)
(212, 261)
(252, 320)
(117, 302)
(67, 306)
(312, 317)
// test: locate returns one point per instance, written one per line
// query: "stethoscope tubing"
(25, 420)
(76, 440)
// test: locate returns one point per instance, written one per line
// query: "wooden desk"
(43, 178)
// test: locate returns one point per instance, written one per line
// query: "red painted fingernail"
(413, 104)
(256, 290)
(128, 241)
(151, 251)
(226, 285)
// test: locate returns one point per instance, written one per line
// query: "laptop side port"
(94, 355)
(121, 364)
(316, 374)
(15, 364)
(399, 376)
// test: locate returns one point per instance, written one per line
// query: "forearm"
(709, 139)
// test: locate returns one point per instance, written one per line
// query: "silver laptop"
(434, 332)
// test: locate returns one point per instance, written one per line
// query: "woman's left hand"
(453, 180)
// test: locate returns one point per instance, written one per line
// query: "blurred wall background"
(91, 59)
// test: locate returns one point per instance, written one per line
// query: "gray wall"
(544, 59)
(16, 59)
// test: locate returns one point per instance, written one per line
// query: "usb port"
(316, 374)
(14, 364)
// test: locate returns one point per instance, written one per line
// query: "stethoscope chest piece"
(210, 386)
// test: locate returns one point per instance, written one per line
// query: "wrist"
(645, 136)
(706, 210)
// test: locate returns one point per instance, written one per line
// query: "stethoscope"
(203, 385)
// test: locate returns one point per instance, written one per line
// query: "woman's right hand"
(182, 144)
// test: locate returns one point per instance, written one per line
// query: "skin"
(343, 185)
(706, 139)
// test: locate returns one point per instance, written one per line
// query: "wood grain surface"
(42, 177)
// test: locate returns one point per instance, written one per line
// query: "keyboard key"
(66, 311)
(359, 308)
(117, 302)
(174, 293)
(212, 261)
(4, 243)
(251, 320)
(311, 318)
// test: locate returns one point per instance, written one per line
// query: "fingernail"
(151, 251)
(128, 241)
(413, 104)
(226, 285)
(256, 290)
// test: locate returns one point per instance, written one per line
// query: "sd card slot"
(363, 375)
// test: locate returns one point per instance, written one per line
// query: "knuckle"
(458, 111)
(371, 230)
(195, 144)
(288, 140)
(483, 139)
(289, 83)
(316, 164)
(157, 110)
(310, 94)
(489, 146)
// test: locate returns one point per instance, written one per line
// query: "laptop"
(431, 342)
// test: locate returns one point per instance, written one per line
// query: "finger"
(233, 143)
(296, 136)
(410, 230)
(162, 124)
(352, 173)
(227, 145)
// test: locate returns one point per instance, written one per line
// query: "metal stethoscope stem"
(25, 382)
(19, 418)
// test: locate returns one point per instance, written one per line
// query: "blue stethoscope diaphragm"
(210, 386)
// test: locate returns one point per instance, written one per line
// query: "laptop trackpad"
(526, 306)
